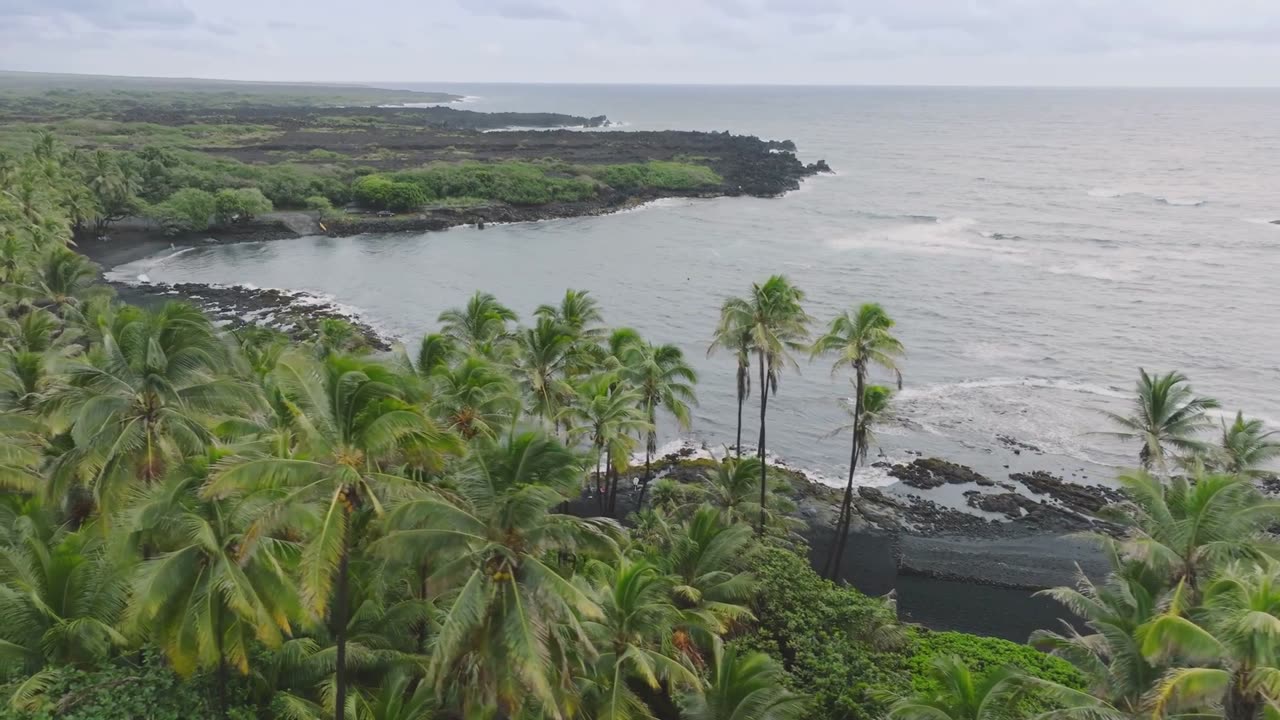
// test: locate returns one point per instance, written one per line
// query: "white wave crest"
(950, 236)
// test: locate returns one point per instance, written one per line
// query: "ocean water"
(1036, 247)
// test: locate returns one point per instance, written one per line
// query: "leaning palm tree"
(636, 639)
(730, 488)
(351, 424)
(498, 648)
(1183, 529)
(661, 378)
(859, 340)
(1231, 646)
(1247, 446)
(747, 686)
(704, 557)
(873, 409)
(1167, 415)
(776, 324)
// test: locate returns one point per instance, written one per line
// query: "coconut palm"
(860, 340)
(960, 695)
(738, 341)
(545, 353)
(1246, 447)
(1110, 656)
(474, 397)
(873, 409)
(730, 488)
(1231, 644)
(60, 598)
(661, 378)
(351, 422)
(608, 414)
(743, 686)
(480, 326)
(578, 313)
(145, 398)
(499, 647)
(777, 325)
(1167, 415)
(636, 639)
(1181, 530)
(209, 591)
(703, 556)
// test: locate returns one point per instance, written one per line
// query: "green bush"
(841, 647)
(124, 690)
(516, 183)
(187, 210)
(657, 175)
(380, 193)
(239, 205)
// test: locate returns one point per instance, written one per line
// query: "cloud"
(794, 41)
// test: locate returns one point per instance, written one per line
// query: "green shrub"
(658, 175)
(516, 183)
(239, 205)
(187, 210)
(123, 690)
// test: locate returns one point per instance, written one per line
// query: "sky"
(853, 42)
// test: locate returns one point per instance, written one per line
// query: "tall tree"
(661, 378)
(860, 340)
(498, 649)
(480, 326)
(608, 414)
(776, 324)
(1166, 414)
(351, 423)
(738, 341)
(744, 686)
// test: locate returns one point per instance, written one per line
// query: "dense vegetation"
(202, 524)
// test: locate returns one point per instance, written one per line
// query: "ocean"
(1035, 246)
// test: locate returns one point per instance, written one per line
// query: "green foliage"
(122, 690)
(517, 183)
(320, 204)
(982, 655)
(380, 193)
(239, 206)
(657, 175)
(187, 210)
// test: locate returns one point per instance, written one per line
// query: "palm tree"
(960, 695)
(145, 399)
(1167, 414)
(578, 312)
(730, 488)
(748, 686)
(635, 639)
(1182, 530)
(703, 555)
(874, 409)
(59, 596)
(860, 340)
(497, 649)
(1232, 644)
(474, 397)
(1247, 445)
(776, 324)
(738, 341)
(608, 414)
(211, 591)
(545, 351)
(480, 326)
(661, 377)
(1110, 656)
(350, 422)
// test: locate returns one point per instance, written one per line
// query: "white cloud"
(1224, 42)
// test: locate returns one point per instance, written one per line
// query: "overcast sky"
(974, 42)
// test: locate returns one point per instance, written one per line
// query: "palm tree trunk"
(846, 508)
(599, 494)
(611, 478)
(648, 478)
(339, 621)
(1240, 703)
(764, 401)
(742, 398)
(221, 678)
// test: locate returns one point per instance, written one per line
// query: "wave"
(1091, 270)
(1269, 222)
(1111, 193)
(700, 450)
(950, 236)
